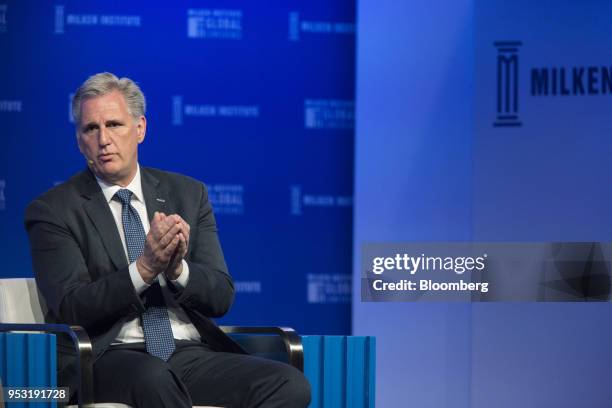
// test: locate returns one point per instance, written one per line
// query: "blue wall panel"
(431, 165)
(413, 182)
(341, 370)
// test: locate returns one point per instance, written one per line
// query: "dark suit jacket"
(82, 271)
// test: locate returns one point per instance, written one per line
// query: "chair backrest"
(20, 301)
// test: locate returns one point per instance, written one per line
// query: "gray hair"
(104, 83)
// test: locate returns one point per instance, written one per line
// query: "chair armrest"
(291, 340)
(82, 345)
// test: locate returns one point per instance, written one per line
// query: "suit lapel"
(155, 194)
(99, 213)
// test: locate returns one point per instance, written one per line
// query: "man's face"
(108, 137)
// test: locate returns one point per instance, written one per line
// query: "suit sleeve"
(64, 280)
(210, 289)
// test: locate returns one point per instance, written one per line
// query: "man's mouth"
(106, 157)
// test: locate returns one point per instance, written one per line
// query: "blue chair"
(22, 309)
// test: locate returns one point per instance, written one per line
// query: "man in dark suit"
(132, 255)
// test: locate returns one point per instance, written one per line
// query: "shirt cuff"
(139, 284)
(181, 281)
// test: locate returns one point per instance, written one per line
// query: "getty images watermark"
(413, 264)
(486, 271)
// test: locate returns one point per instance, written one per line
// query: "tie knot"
(124, 195)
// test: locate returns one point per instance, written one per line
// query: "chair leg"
(1, 395)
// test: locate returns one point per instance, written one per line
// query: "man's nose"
(103, 136)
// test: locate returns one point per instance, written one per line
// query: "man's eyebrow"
(90, 125)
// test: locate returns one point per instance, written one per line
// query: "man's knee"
(159, 386)
(153, 379)
(296, 388)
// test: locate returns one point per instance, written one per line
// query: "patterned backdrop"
(255, 100)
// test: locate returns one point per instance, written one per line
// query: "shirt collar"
(135, 187)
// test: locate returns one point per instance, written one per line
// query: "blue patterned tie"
(155, 321)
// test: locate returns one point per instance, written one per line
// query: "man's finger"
(159, 225)
(171, 247)
(182, 243)
(186, 228)
(171, 219)
(169, 235)
(183, 248)
(179, 252)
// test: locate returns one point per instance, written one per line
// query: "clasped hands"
(165, 247)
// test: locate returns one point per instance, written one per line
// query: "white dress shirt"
(131, 332)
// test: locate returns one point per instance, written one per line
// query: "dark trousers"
(196, 375)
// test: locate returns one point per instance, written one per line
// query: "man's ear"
(79, 142)
(141, 125)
